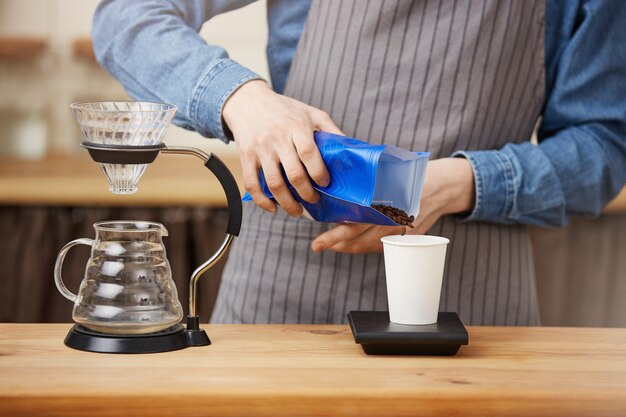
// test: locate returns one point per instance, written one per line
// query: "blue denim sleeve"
(580, 162)
(153, 48)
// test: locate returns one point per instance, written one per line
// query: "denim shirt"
(154, 50)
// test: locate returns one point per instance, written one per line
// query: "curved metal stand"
(192, 321)
(119, 154)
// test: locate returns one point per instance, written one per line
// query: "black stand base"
(174, 338)
(378, 336)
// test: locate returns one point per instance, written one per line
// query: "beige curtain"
(581, 272)
(31, 237)
(581, 269)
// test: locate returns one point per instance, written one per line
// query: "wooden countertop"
(290, 370)
(171, 180)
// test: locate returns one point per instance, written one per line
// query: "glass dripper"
(123, 123)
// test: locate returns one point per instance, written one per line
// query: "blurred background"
(51, 193)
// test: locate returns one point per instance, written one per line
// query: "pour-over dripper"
(123, 137)
(123, 123)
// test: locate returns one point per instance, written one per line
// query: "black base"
(378, 336)
(174, 338)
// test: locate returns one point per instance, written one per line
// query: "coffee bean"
(397, 215)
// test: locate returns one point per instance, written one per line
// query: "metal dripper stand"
(124, 137)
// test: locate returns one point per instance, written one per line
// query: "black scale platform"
(378, 336)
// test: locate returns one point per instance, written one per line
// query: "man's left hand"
(448, 189)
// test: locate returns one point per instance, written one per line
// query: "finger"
(297, 174)
(368, 241)
(324, 122)
(337, 234)
(278, 187)
(310, 156)
(250, 168)
(348, 246)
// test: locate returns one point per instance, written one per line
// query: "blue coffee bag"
(362, 175)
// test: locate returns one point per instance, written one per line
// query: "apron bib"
(434, 76)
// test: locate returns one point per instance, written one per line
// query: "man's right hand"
(273, 130)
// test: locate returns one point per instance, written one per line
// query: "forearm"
(155, 51)
(576, 171)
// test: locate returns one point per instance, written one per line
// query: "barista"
(464, 80)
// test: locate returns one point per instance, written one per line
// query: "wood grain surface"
(291, 370)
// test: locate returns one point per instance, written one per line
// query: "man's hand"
(448, 189)
(354, 238)
(273, 130)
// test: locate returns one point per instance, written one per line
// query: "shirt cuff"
(494, 183)
(211, 93)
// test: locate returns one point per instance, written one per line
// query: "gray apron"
(434, 76)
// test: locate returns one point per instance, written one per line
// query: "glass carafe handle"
(58, 280)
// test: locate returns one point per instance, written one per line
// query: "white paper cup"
(414, 269)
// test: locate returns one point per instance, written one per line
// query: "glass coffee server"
(127, 301)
